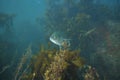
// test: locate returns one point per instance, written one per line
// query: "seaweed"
(52, 64)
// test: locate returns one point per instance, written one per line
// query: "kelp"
(51, 64)
(23, 64)
(6, 21)
(86, 23)
(65, 63)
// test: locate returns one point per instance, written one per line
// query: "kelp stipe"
(23, 64)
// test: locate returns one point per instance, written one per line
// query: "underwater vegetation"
(62, 64)
(23, 64)
(92, 27)
(6, 62)
(50, 64)
(87, 34)
(6, 46)
(108, 53)
(6, 20)
(75, 18)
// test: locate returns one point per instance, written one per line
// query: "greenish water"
(91, 26)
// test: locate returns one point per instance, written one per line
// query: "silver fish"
(58, 39)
